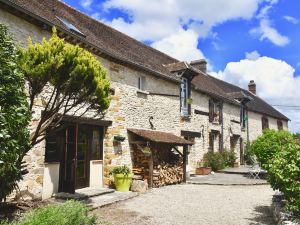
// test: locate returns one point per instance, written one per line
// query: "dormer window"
(185, 97)
(215, 111)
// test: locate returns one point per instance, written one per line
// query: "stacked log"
(140, 166)
(167, 173)
(167, 167)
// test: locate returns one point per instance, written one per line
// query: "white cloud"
(154, 20)
(252, 55)
(266, 31)
(275, 82)
(182, 45)
(291, 19)
(86, 4)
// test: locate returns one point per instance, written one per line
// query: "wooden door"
(84, 140)
(68, 164)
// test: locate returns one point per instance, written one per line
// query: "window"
(88, 140)
(243, 117)
(265, 123)
(185, 104)
(215, 112)
(142, 83)
(279, 125)
(71, 27)
(54, 146)
(214, 140)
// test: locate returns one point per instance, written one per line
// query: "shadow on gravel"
(262, 215)
(116, 216)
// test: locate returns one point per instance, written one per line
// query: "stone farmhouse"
(173, 108)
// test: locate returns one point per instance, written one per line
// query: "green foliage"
(68, 213)
(214, 160)
(270, 144)
(279, 154)
(120, 170)
(14, 116)
(76, 77)
(248, 154)
(284, 175)
(229, 158)
(219, 160)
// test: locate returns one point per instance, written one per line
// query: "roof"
(160, 137)
(109, 40)
(116, 45)
(256, 105)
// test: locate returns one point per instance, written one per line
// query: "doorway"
(82, 144)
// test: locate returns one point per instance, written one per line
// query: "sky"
(241, 40)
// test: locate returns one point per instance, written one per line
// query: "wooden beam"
(185, 151)
(151, 169)
(138, 142)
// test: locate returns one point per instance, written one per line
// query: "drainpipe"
(222, 127)
(248, 139)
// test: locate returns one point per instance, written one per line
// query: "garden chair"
(255, 169)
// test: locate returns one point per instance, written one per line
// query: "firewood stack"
(140, 166)
(167, 166)
(166, 173)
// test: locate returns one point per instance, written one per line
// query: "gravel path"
(194, 205)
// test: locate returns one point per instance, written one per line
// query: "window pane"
(97, 144)
(80, 170)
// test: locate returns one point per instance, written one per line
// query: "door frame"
(71, 185)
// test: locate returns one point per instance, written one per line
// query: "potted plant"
(201, 169)
(119, 138)
(146, 151)
(189, 101)
(122, 177)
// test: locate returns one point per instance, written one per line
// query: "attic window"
(71, 27)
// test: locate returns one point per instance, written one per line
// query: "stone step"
(108, 199)
(84, 193)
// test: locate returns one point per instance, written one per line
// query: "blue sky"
(240, 39)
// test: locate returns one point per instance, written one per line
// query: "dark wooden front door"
(75, 163)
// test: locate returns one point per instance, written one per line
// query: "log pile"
(167, 166)
(166, 173)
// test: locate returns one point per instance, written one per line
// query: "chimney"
(252, 87)
(199, 64)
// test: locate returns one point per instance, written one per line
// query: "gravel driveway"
(194, 205)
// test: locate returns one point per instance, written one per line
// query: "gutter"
(82, 40)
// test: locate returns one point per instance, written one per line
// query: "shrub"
(120, 170)
(229, 158)
(215, 160)
(284, 175)
(219, 160)
(14, 116)
(69, 213)
(270, 144)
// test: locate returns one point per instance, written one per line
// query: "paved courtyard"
(194, 205)
(226, 179)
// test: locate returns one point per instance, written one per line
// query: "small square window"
(142, 83)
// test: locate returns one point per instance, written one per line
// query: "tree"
(270, 144)
(68, 79)
(14, 116)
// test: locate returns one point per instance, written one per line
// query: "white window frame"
(142, 83)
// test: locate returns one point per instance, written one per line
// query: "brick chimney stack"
(252, 87)
(200, 64)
